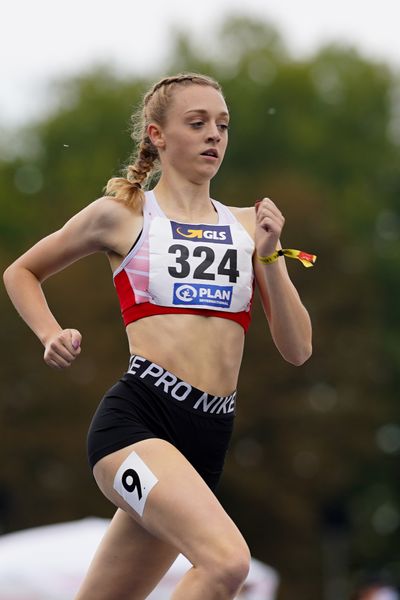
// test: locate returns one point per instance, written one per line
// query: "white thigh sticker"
(134, 481)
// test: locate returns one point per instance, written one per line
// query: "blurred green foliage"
(311, 475)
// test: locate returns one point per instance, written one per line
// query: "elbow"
(7, 275)
(10, 276)
(300, 357)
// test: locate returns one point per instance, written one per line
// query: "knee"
(230, 567)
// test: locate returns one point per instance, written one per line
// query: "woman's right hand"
(62, 348)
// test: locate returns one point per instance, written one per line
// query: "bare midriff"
(203, 351)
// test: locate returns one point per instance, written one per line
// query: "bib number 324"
(205, 270)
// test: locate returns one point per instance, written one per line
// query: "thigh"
(128, 563)
(180, 509)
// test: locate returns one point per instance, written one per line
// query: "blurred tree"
(316, 448)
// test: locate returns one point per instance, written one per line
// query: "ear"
(156, 135)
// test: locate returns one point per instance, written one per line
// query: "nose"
(213, 134)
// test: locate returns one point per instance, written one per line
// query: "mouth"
(211, 152)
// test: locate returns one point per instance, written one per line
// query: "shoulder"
(246, 217)
(108, 211)
(103, 221)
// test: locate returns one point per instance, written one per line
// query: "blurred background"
(312, 477)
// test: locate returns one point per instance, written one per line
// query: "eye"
(223, 126)
(197, 124)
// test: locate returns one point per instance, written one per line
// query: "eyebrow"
(202, 111)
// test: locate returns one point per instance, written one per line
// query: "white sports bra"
(187, 267)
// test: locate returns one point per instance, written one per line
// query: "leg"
(128, 563)
(182, 512)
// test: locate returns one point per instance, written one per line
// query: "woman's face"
(194, 138)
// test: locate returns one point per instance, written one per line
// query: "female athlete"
(184, 268)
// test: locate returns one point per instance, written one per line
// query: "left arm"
(287, 317)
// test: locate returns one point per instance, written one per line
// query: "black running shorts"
(150, 402)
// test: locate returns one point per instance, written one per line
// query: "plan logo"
(185, 293)
(216, 234)
(201, 295)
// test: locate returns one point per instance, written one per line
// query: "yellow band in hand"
(308, 260)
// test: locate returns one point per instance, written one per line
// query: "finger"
(57, 352)
(75, 340)
(58, 349)
(70, 340)
(60, 361)
(269, 209)
(271, 225)
(271, 218)
(51, 363)
(56, 363)
(264, 202)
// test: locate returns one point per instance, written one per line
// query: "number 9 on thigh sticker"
(134, 481)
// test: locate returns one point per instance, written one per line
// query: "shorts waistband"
(181, 392)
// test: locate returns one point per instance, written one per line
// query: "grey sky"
(46, 39)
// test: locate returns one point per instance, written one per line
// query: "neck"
(184, 199)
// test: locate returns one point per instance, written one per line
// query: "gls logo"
(216, 234)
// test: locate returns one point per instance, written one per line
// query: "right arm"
(91, 230)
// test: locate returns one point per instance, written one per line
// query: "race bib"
(200, 266)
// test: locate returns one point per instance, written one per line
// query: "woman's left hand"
(269, 225)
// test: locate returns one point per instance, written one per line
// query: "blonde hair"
(145, 161)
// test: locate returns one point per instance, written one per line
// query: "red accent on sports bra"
(125, 293)
(133, 312)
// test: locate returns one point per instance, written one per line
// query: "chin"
(196, 180)
(201, 178)
(209, 173)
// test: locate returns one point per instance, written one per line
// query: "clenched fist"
(269, 225)
(63, 348)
